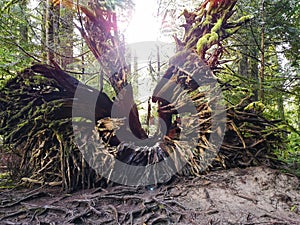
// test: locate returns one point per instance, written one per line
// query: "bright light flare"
(144, 26)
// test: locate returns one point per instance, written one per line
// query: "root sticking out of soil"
(256, 195)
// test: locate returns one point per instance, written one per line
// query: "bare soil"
(256, 195)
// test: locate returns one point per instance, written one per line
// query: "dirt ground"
(256, 195)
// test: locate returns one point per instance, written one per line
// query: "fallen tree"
(80, 148)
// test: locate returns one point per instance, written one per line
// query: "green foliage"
(281, 84)
(257, 106)
(291, 155)
(15, 38)
(294, 144)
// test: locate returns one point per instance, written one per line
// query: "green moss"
(207, 21)
(4, 175)
(256, 106)
(213, 37)
(232, 30)
(5, 181)
(202, 42)
(244, 19)
(7, 186)
(206, 41)
(293, 208)
(217, 26)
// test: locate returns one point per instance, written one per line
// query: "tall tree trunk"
(101, 35)
(243, 68)
(254, 73)
(66, 34)
(44, 50)
(24, 26)
(50, 32)
(52, 24)
(262, 59)
(298, 111)
(280, 107)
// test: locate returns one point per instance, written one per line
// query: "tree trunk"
(255, 73)
(262, 59)
(70, 86)
(51, 28)
(298, 111)
(280, 107)
(24, 27)
(101, 34)
(44, 50)
(66, 34)
(243, 68)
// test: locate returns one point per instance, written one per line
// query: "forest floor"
(256, 195)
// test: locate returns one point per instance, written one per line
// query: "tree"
(15, 37)
(277, 35)
(279, 52)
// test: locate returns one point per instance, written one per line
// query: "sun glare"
(143, 25)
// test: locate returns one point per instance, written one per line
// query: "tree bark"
(262, 58)
(243, 68)
(70, 86)
(51, 28)
(66, 35)
(101, 35)
(255, 73)
(24, 27)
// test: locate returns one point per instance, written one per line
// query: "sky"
(143, 25)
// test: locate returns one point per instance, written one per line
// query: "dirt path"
(256, 195)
